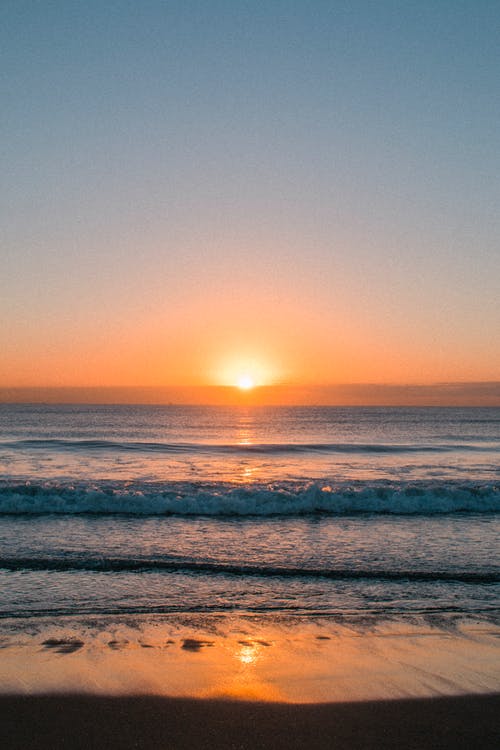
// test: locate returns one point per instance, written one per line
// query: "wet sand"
(85, 722)
(253, 660)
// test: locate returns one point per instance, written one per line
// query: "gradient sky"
(308, 191)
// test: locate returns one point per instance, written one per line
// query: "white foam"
(262, 500)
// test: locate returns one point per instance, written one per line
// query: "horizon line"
(450, 393)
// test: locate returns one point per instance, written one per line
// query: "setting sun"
(245, 382)
(244, 370)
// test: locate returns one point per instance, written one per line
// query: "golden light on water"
(247, 655)
(249, 652)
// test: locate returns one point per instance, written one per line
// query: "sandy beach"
(87, 722)
(167, 687)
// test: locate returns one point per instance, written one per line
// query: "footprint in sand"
(117, 645)
(193, 644)
(63, 645)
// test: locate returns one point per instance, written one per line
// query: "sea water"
(348, 515)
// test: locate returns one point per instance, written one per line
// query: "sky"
(303, 192)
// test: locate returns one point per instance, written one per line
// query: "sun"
(245, 382)
(244, 372)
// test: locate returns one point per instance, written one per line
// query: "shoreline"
(139, 722)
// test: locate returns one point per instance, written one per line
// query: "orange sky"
(217, 338)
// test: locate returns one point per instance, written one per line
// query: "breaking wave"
(225, 499)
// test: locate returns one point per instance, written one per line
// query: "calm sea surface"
(341, 512)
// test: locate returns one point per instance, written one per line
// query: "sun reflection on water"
(248, 653)
(248, 473)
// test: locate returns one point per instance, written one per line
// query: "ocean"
(119, 519)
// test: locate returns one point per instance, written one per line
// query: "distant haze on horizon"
(440, 394)
(297, 192)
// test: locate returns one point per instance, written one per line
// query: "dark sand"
(83, 722)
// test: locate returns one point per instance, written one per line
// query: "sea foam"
(225, 499)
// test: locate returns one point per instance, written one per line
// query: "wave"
(226, 499)
(170, 564)
(240, 448)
